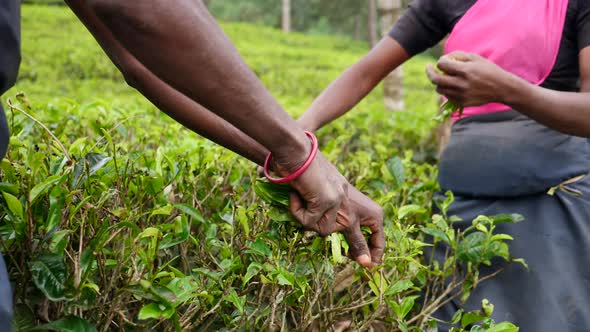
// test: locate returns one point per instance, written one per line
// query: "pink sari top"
(521, 36)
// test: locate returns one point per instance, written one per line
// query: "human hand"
(354, 210)
(324, 202)
(363, 211)
(319, 194)
(469, 79)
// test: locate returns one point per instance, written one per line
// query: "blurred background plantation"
(351, 18)
(115, 218)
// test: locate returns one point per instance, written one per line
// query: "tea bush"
(114, 217)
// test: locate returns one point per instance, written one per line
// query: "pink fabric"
(520, 36)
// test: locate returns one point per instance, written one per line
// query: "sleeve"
(421, 27)
(9, 43)
(583, 24)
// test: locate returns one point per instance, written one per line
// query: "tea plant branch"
(62, 147)
(444, 299)
(78, 261)
(271, 322)
(345, 309)
(208, 313)
(9, 253)
(372, 318)
(126, 319)
(434, 305)
(120, 123)
(30, 225)
(190, 312)
(312, 303)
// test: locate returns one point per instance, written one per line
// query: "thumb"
(359, 250)
(459, 56)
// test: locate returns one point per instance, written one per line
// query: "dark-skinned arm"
(354, 84)
(358, 211)
(167, 99)
(472, 80)
(181, 44)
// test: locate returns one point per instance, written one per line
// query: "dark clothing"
(9, 43)
(506, 154)
(554, 239)
(9, 63)
(427, 22)
(9, 57)
(505, 163)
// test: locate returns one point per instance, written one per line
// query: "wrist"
(300, 169)
(307, 122)
(512, 89)
(291, 154)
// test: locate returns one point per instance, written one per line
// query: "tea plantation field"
(115, 218)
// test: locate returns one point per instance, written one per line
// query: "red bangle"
(298, 172)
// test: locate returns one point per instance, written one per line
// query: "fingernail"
(364, 260)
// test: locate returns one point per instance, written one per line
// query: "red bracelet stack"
(298, 172)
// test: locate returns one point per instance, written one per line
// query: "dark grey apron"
(506, 163)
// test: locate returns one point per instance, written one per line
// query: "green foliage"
(67, 324)
(447, 109)
(345, 17)
(132, 222)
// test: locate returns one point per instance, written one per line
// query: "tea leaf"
(253, 269)
(436, 233)
(398, 287)
(336, 247)
(273, 193)
(406, 306)
(472, 248)
(151, 311)
(162, 211)
(412, 209)
(191, 211)
(59, 241)
(259, 247)
(472, 317)
(9, 188)
(521, 261)
(285, 278)
(56, 206)
(67, 324)
(14, 205)
(49, 275)
(503, 327)
(507, 218)
(395, 166)
(44, 186)
(96, 161)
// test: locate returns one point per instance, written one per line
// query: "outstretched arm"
(354, 84)
(181, 44)
(357, 211)
(162, 95)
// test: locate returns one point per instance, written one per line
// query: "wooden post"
(286, 19)
(372, 23)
